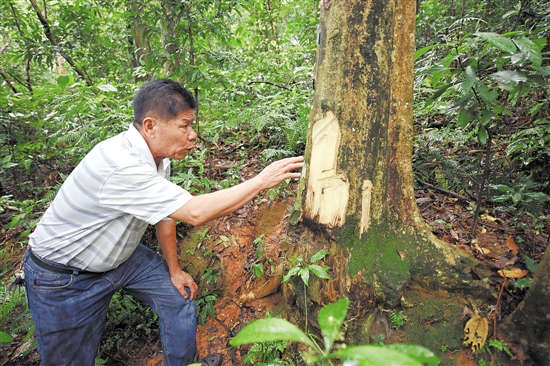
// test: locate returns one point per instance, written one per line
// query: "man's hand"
(181, 280)
(280, 170)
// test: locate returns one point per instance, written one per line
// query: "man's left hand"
(181, 280)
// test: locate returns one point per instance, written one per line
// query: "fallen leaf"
(489, 218)
(511, 244)
(454, 234)
(475, 332)
(513, 272)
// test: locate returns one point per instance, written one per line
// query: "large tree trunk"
(358, 186)
(529, 324)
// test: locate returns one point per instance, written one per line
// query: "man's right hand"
(208, 206)
(280, 170)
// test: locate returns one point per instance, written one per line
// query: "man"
(86, 246)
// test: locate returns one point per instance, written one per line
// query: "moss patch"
(381, 255)
(434, 322)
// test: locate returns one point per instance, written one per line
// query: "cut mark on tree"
(327, 191)
(365, 206)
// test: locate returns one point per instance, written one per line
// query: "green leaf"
(330, 318)
(423, 50)
(304, 274)
(5, 337)
(470, 79)
(107, 88)
(516, 197)
(489, 96)
(502, 43)
(523, 282)
(482, 135)
(318, 256)
(63, 81)
(464, 117)
(270, 330)
(508, 77)
(319, 271)
(375, 356)
(530, 50)
(258, 269)
(291, 272)
(419, 353)
(530, 264)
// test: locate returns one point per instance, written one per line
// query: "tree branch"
(270, 83)
(53, 41)
(10, 85)
(442, 190)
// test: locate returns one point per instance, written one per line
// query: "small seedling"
(398, 319)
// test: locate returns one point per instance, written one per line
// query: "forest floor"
(233, 246)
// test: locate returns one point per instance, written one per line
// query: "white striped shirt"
(103, 208)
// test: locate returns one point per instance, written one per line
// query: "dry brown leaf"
(513, 272)
(511, 244)
(475, 332)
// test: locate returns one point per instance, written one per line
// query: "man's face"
(174, 137)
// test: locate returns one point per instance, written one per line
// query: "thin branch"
(483, 181)
(192, 62)
(497, 308)
(270, 83)
(10, 85)
(442, 190)
(53, 41)
(16, 19)
(19, 81)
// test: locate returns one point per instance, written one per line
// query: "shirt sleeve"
(142, 193)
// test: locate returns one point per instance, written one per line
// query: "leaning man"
(87, 244)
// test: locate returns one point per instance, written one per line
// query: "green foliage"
(266, 353)
(398, 319)
(331, 318)
(15, 319)
(128, 321)
(205, 307)
(481, 84)
(302, 270)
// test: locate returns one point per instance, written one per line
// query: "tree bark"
(173, 13)
(529, 324)
(358, 185)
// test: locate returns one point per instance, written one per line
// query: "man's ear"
(149, 125)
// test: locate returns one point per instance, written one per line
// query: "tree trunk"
(529, 324)
(358, 185)
(173, 13)
(139, 43)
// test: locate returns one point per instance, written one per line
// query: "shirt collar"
(140, 146)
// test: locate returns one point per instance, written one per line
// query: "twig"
(270, 83)
(497, 306)
(484, 178)
(442, 190)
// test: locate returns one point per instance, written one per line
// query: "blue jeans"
(69, 309)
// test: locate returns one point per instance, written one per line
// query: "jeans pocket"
(51, 280)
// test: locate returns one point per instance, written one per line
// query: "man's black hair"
(164, 97)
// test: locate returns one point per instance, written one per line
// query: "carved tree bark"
(358, 185)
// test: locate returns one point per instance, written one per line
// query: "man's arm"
(206, 207)
(166, 236)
